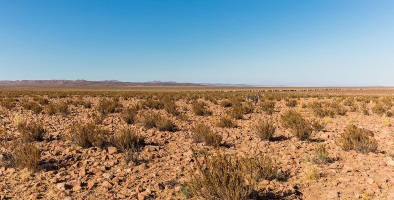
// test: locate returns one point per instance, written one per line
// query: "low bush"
(27, 156)
(226, 122)
(300, 127)
(203, 133)
(33, 132)
(88, 135)
(229, 177)
(128, 139)
(264, 129)
(107, 106)
(354, 138)
(268, 107)
(200, 109)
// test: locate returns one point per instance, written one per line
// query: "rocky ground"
(67, 171)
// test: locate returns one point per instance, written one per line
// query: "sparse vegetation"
(203, 133)
(354, 138)
(268, 107)
(264, 129)
(33, 132)
(200, 109)
(299, 126)
(128, 139)
(88, 135)
(27, 156)
(226, 122)
(228, 177)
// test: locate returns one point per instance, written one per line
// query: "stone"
(61, 186)
(333, 194)
(112, 150)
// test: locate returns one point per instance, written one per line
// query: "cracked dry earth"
(67, 171)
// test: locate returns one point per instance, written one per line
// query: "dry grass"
(354, 138)
(268, 107)
(33, 132)
(299, 126)
(226, 122)
(129, 114)
(53, 108)
(228, 177)
(264, 129)
(203, 133)
(291, 103)
(27, 156)
(321, 154)
(88, 135)
(200, 109)
(154, 120)
(31, 105)
(107, 106)
(128, 139)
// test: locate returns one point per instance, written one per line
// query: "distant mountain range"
(85, 83)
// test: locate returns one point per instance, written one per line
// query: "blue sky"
(266, 42)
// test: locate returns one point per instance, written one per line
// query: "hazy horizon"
(292, 43)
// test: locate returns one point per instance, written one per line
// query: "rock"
(370, 180)
(178, 188)
(142, 196)
(91, 184)
(106, 184)
(77, 186)
(390, 161)
(333, 194)
(375, 186)
(82, 172)
(112, 150)
(61, 186)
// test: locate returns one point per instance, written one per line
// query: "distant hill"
(85, 83)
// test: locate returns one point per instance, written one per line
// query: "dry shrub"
(7, 103)
(321, 154)
(380, 108)
(88, 135)
(226, 103)
(31, 105)
(170, 108)
(41, 100)
(128, 139)
(300, 127)
(264, 129)
(226, 122)
(291, 103)
(19, 122)
(53, 108)
(129, 114)
(236, 112)
(27, 156)
(268, 107)
(323, 109)
(107, 106)
(200, 109)
(33, 132)
(152, 104)
(312, 172)
(203, 133)
(228, 177)
(354, 138)
(317, 125)
(155, 120)
(248, 107)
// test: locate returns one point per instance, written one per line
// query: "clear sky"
(267, 42)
